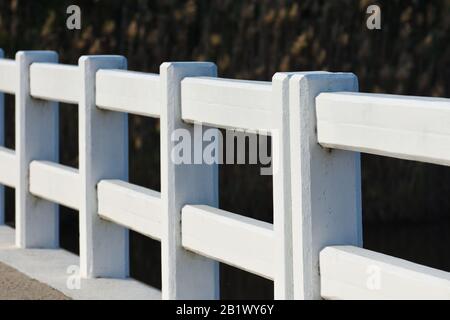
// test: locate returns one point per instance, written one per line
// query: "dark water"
(425, 243)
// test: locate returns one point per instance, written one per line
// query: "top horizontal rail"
(128, 91)
(55, 82)
(230, 104)
(412, 128)
(8, 76)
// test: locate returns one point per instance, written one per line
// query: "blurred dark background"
(406, 205)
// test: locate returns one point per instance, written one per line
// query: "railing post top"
(189, 67)
(290, 74)
(37, 56)
(307, 78)
(101, 61)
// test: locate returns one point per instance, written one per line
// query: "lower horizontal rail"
(229, 238)
(8, 167)
(356, 274)
(56, 183)
(131, 206)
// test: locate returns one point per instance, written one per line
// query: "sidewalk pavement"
(14, 285)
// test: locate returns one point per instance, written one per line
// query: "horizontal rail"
(128, 91)
(230, 104)
(56, 183)
(8, 76)
(55, 82)
(133, 207)
(229, 238)
(359, 274)
(412, 128)
(8, 167)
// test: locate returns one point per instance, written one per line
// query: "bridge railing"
(318, 128)
(403, 127)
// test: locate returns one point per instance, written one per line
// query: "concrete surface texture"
(14, 285)
(53, 267)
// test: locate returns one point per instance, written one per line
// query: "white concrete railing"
(412, 128)
(316, 193)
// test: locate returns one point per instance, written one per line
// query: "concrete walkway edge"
(54, 267)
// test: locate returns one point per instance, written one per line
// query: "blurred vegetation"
(406, 204)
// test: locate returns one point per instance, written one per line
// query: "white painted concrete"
(326, 185)
(413, 128)
(3, 174)
(225, 103)
(242, 242)
(317, 200)
(55, 182)
(8, 75)
(36, 139)
(55, 82)
(129, 91)
(8, 167)
(184, 275)
(103, 142)
(50, 266)
(357, 274)
(131, 206)
(281, 173)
